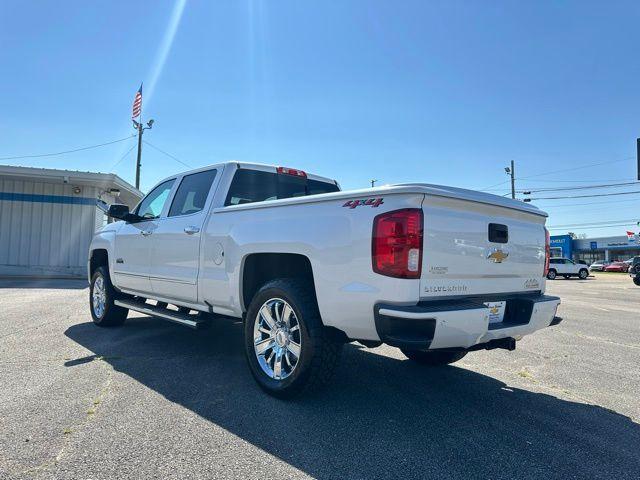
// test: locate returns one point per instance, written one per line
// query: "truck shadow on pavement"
(381, 417)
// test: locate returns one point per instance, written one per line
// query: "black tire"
(636, 280)
(112, 315)
(583, 274)
(319, 350)
(551, 274)
(433, 358)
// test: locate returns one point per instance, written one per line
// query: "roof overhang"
(106, 181)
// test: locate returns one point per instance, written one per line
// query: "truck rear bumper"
(447, 324)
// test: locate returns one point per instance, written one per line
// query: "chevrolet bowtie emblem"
(497, 256)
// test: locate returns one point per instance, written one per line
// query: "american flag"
(137, 103)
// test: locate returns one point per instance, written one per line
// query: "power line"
(587, 224)
(581, 187)
(586, 203)
(559, 171)
(167, 154)
(542, 187)
(585, 181)
(491, 186)
(577, 168)
(584, 196)
(597, 226)
(122, 158)
(66, 151)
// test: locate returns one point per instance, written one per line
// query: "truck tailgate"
(476, 248)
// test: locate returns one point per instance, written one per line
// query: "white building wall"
(45, 228)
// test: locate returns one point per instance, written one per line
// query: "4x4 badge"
(370, 202)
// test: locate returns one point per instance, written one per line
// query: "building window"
(590, 257)
(622, 255)
(556, 251)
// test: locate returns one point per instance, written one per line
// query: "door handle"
(145, 232)
(191, 230)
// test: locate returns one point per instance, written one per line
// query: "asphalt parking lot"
(156, 400)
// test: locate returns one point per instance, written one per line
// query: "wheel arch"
(260, 268)
(97, 258)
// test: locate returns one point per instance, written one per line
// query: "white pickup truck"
(435, 271)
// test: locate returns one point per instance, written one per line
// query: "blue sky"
(441, 92)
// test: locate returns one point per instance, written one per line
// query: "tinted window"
(250, 186)
(192, 193)
(554, 260)
(152, 205)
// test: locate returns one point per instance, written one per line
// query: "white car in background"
(566, 268)
(598, 266)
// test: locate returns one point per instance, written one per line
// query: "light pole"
(141, 128)
(512, 171)
(373, 182)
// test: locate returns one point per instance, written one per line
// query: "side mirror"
(121, 212)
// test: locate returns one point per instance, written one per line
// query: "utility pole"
(138, 161)
(141, 128)
(513, 179)
(373, 182)
(512, 172)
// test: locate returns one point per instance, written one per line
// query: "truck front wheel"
(287, 347)
(101, 296)
(433, 358)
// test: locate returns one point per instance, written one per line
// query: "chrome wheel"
(277, 340)
(99, 297)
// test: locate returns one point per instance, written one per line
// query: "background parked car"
(566, 268)
(582, 262)
(617, 267)
(634, 270)
(598, 266)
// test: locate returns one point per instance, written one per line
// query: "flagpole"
(140, 130)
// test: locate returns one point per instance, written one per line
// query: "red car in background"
(617, 267)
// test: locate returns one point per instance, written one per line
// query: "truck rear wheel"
(101, 296)
(433, 358)
(287, 347)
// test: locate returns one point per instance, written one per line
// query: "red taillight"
(397, 243)
(547, 251)
(291, 171)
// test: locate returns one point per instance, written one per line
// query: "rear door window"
(192, 193)
(250, 186)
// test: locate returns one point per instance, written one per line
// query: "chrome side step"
(192, 321)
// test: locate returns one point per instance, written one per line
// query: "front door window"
(152, 205)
